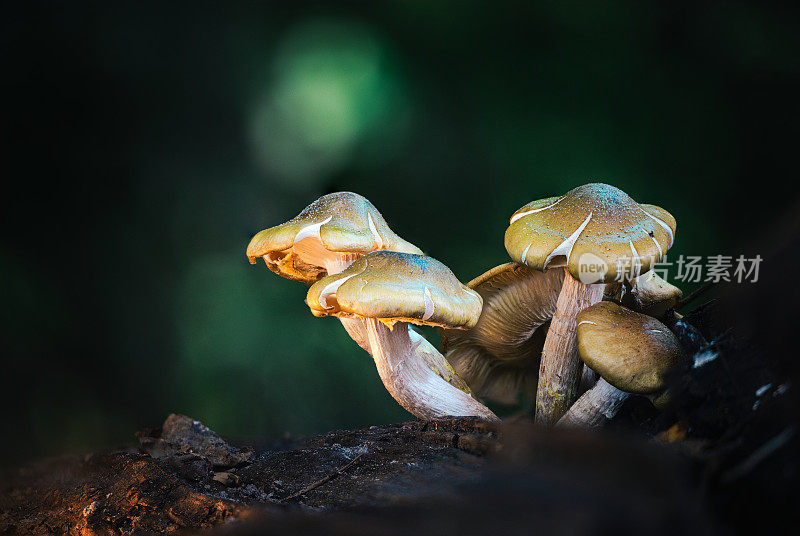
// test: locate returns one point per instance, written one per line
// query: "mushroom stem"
(353, 326)
(560, 368)
(597, 406)
(357, 331)
(412, 372)
(588, 379)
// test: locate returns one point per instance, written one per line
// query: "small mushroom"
(631, 351)
(386, 291)
(325, 238)
(499, 356)
(650, 294)
(593, 233)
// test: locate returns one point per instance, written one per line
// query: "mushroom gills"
(310, 250)
(492, 379)
(499, 356)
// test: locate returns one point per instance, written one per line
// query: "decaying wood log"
(721, 454)
(184, 475)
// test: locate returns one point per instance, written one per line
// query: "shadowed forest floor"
(720, 457)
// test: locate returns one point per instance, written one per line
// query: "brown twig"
(694, 295)
(325, 478)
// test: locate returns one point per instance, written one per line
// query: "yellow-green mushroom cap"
(651, 295)
(592, 230)
(500, 355)
(631, 351)
(392, 286)
(344, 222)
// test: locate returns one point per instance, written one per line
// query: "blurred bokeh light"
(334, 97)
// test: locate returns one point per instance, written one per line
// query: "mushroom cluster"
(377, 284)
(578, 302)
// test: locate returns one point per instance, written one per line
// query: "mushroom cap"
(392, 286)
(501, 354)
(651, 294)
(347, 223)
(631, 351)
(594, 224)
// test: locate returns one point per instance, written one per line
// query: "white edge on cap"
(565, 248)
(311, 231)
(331, 288)
(429, 305)
(515, 217)
(663, 224)
(374, 230)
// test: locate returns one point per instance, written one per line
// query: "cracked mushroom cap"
(631, 351)
(344, 222)
(392, 286)
(590, 230)
(500, 355)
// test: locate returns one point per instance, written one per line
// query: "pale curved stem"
(595, 407)
(416, 375)
(357, 331)
(353, 326)
(403, 367)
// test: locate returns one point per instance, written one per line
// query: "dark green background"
(144, 145)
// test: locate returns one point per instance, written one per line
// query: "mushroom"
(594, 233)
(499, 356)
(325, 238)
(631, 351)
(650, 294)
(386, 291)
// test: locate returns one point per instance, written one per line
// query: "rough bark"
(184, 475)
